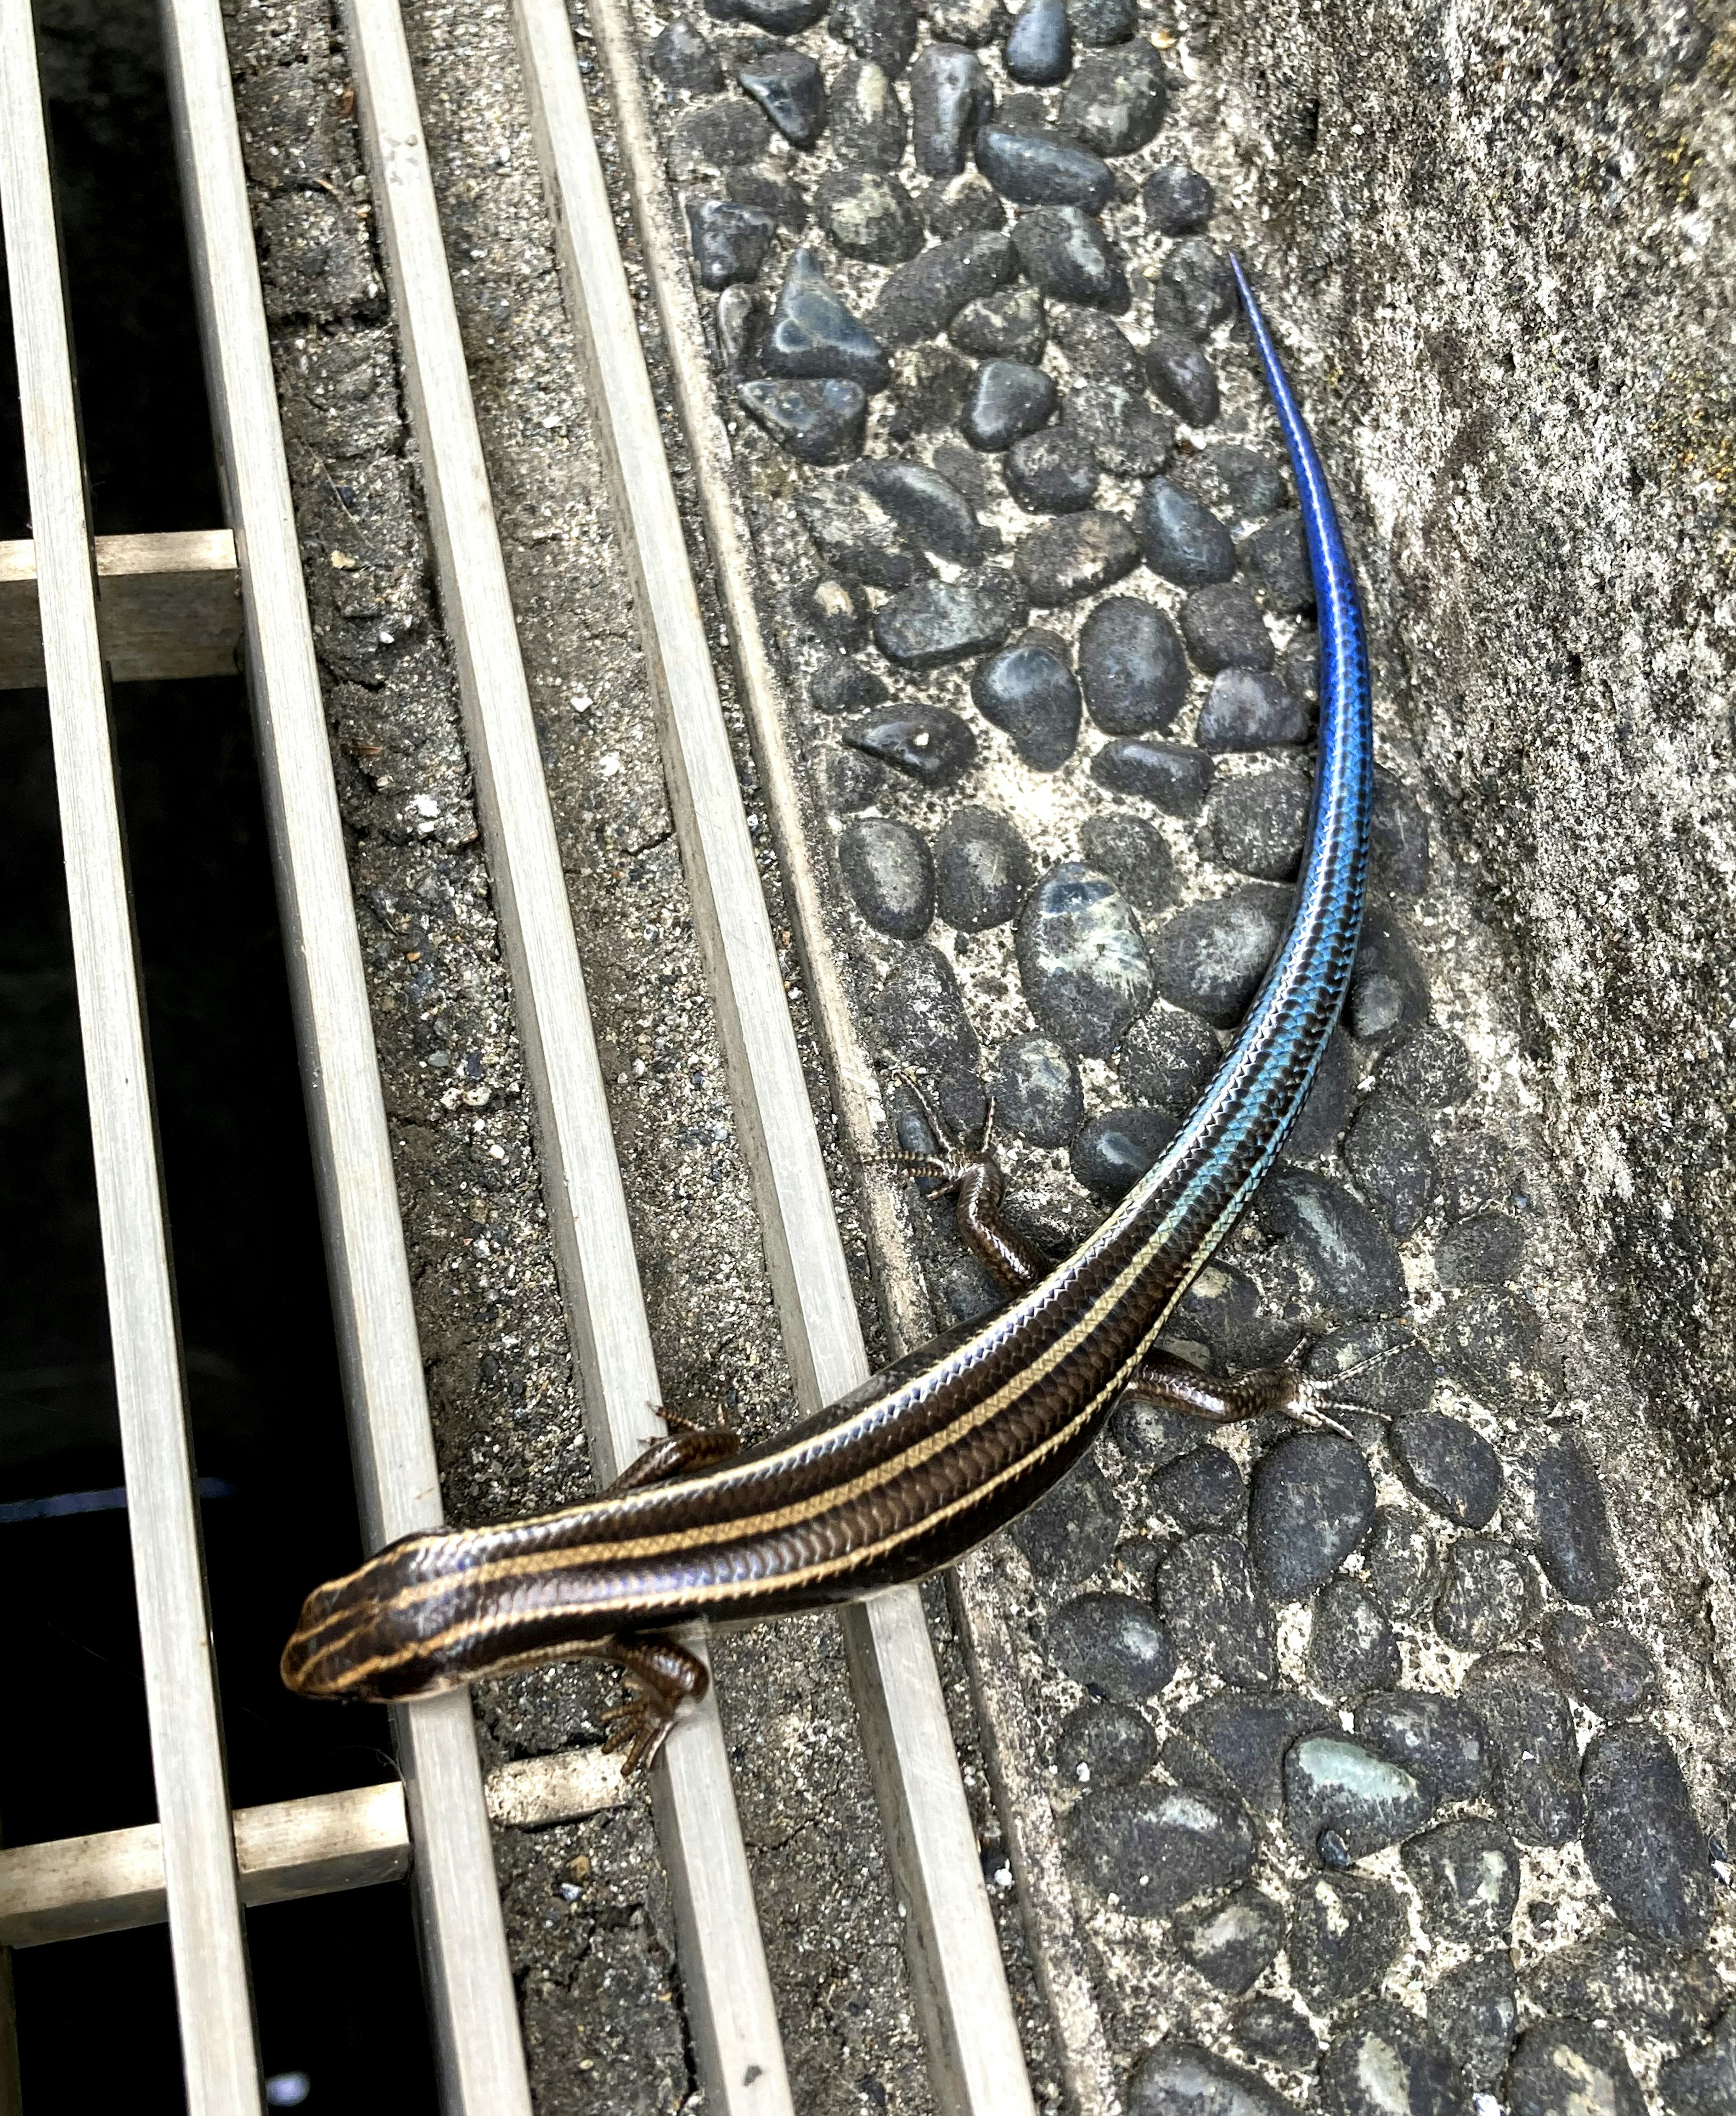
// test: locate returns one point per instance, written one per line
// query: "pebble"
(836, 611)
(1204, 1489)
(1103, 21)
(739, 320)
(1182, 542)
(867, 120)
(1232, 1943)
(790, 88)
(1492, 1340)
(1277, 557)
(682, 58)
(962, 205)
(1074, 555)
(934, 622)
(921, 298)
(1195, 293)
(1348, 1268)
(883, 30)
(1105, 1745)
(729, 242)
(1603, 1665)
(1240, 482)
(1182, 378)
(780, 18)
(932, 384)
(868, 215)
(856, 532)
(818, 422)
(1210, 957)
(927, 508)
(1231, 1320)
(921, 1014)
(853, 781)
(950, 95)
(1573, 1524)
(1313, 1502)
(1251, 708)
(1490, 1597)
(1389, 988)
(1224, 630)
(1565, 2068)
(1531, 1747)
(1391, 1156)
(1449, 1465)
(966, 470)
(1174, 778)
(1135, 857)
(1318, 1128)
(1217, 1617)
(1027, 690)
(1398, 832)
(1115, 1149)
(1052, 472)
(1237, 1745)
(1177, 200)
(814, 334)
(1082, 960)
(1271, 2029)
(1642, 1842)
(1333, 1783)
(1039, 45)
(1065, 253)
(1258, 824)
(1703, 2083)
(1116, 100)
(1112, 1646)
(1034, 168)
(1070, 1532)
(1352, 1647)
(1131, 667)
(1167, 1058)
(1466, 1873)
(1150, 1435)
(1156, 1847)
(1474, 2011)
(1388, 1368)
(1476, 1171)
(890, 874)
(1128, 438)
(1388, 2064)
(1671, 1998)
(841, 684)
(1181, 2079)
(1402, 1562)
(1436, 1739)
(1096, 347)
(1484, 1251)
(1037, 1092)
(718, 135)
(1008, 398)
(1006, 325)
(933, 746)
(984, 869)
(1345, 1931)
(972, 22)
(771, 195)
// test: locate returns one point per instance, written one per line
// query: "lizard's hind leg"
(974, 1176)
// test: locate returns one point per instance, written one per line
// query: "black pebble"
(1074, 555)
(1181, 2079)
(984, 868)
(1574, 1538)
(841, 684)
(1258, 824)
(835, 611)
(1168, 1058)
(855, 533)
(1150, 1435)
(1105, 1745)
(933, 746)
(1402, 1562)
(818, 422)
(1037, 1092)
(1112, 1646)
(1097, 349)
(1039, 45)
(1492, 1340)
(1178, 201)
(1223, 629)
(1467, 1873)
(1449, 1465)
(1065, 253)
(779, 18)
(1035, 168)
(1436, 1739)
(1052, 472)
(1204, 1489)
(1182, 378)
(1603, 1665)
(1313, 1502)
(1116, 100)
(932, 384)
(1561, 2068)
(681, 58)
(1006, 325)
(853, 781)
(1381, 1365)
(950, 95)
(936, 622)
(1240, 482)
(1128, 438)
(1643, 1841)
(921, 1014)
(1345, 1931)
(813, 333)
(1703, 2083)
(1174, 778)
(1068, 1534)
(1232, 1943)
(1333, 1783)
(1236, 1744)
(889, 874)
(1668, 1996)
(1082, 960)
(729, 241)
(1387, 2064)
(1349, 1268)
(1251, 708)
(1389, 988)
(1484, 1251)
(1277, 2031)
(921, 298)
(1474, 2011)
(771, 195)
(1398, 830)
(1008, 398)
(1227, 1316)
(1277, 559)
(790, 88)
(1131, 667)
(1182, 542)
(722, 134)
(1318, 1128)
(1490, 1597)
(1217, 1616)
(866, 118)
(1027, 690)
(1391, 1157)
(1136, 859)
(884, 30)
(928, 508)
(962, 205)
(1352, 1647)
(1103, 21)
(1195, 290)
(1299, 665)
(1531, 1747)
(1476, 1170)
(1156, 1847)
(1210, 957)
(869, 214)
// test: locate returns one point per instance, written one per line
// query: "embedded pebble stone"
(1096, 346)
(1235, 481)
(1217, 1616)
(890, 874)
(1131, 667)
(1106, 1745)
(929, 744)
(1182, 542)
(1345, 1931)
(972, 22)
(869, 214)
(1074, 555)
(814, 334)
(1008, 399)
(1128, 438)
(1276, 558)
(1388, 2064)
(982, 867)
(835, 610)
(1492, 1340)
(1402, 1562)
(718, 135)
(1070, 1532)
(1466, 1873)
(1476, 1171)
(1135, 857)
(1156, 1847)
(1258, 824)
(962, 205)
(1039, 45)
(1204, 1489)
(1484, 1251)
(1210, 957)
(931, 382)
(1051, 472)
(1438, 1739)
(771, 195)
(1603, 1665)
(1174, 778)
(865, 116)
(1233, 1744)
(1326, 1110)
(1389, 987)
(1168, 1058)
(1352, 1647)
(1224, 630)
(1182, 378)
(790, 88)
(1312, 1504)
(1115, 100)
(738, 319)
(1177, 200)
(1037, 1092)
(1065, 253)
(1490, 1597)
(1573, 1524)
(1251, 708)
(950, 95)
(1233, 1943)
(884, 30)
(1027, 690)
(682, 58)
(1081, 960)
(1398, 836)
(1196, 290)
(818, 422)
(1643, 1843)
(1112, 1646)
(1331, 1782)
(1659, 1992)
(928, 510)
(1149, 1435)
(921, 1014)
(1115, 1149)
(1181, 2079)
(1006, 325)
(1566, 2068)
(1389, 1153)
(1703, 2082)
(1385, 1365)
(729, 242)
(1227, 1315)
(1034, 168)
(841, 684)
(922, 297)
(1474, 2011)
(853, 781)
(964, 469)
(1348, 1268)
(936, 622)
(1277, 2031)
(1449, 1465)
(780, 18)
(1531, 1747)
(855, 532)
(1103, 22)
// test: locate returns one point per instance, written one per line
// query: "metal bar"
(213, 1999)
(969, 2027)
(480, 2054)
(729, 1991)
(107, 1882)
(169, 606)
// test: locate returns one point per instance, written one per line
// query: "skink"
(943, 1448)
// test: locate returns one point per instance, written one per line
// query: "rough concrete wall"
(1506, 240)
